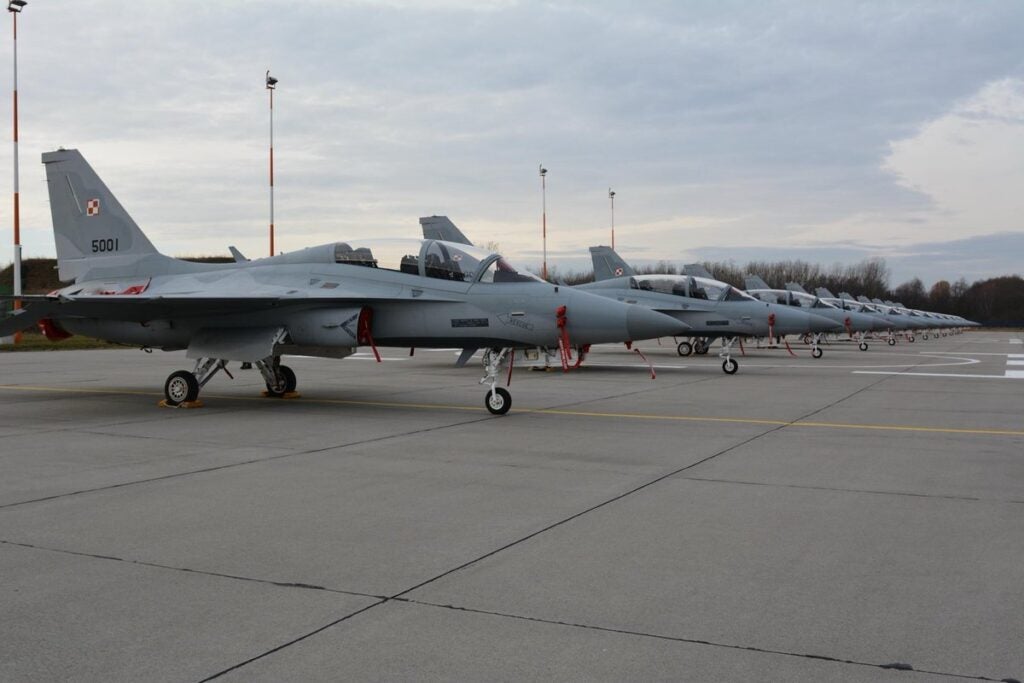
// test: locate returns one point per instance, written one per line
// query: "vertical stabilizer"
(824, 293)
(754, 282)
(91, 229)
(796, 287)
(608, 264)
(441, 228)
(697, 270)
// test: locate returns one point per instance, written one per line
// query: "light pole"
(271, 84)
(15, 7)
(611, 196)
(544, 220)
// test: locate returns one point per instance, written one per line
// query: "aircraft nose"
(790, 320)
(819, 323)
(644, 323)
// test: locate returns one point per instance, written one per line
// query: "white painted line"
(1015, 355)
(1015, 362)
(1019, 375)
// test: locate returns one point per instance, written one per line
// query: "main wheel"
(806, 338)
(925, 335)
(816, 353)
(684, 348)
(892, 342)
(729, 366)
(700, 347)
(181, 387)
(863, 346)
(286, 382)
(498, 401)
(911, 339)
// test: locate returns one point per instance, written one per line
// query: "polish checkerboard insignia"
(92, 207)
(618, 271)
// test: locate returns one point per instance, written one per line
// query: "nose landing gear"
(497, 400)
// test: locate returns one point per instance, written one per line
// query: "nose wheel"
(729, 365)
(498, 401)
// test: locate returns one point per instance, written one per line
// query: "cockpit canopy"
(689, 286)
(431, 258)
(789, 298)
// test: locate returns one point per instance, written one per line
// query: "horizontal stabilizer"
(26, 318)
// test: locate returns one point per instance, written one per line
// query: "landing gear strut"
(497, 400)
(183, 386)
(729, 365)
(816, 351)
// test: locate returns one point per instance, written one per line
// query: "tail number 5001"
(109, 244)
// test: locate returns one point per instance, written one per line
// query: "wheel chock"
(290, 394)
(184, 404)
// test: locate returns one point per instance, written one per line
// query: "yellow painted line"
(558, 412)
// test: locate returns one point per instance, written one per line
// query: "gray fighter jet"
(712, 309)
(321, 301)
(796, 295)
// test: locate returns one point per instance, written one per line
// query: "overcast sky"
(830, 131)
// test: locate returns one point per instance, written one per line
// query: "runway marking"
(965, 375)
(562, 412)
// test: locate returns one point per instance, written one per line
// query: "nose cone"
(644, 323)
(790, 320)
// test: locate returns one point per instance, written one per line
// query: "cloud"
(719, 124)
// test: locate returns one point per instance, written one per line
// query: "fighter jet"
(325, 300)
(712, 309)
(796, 295)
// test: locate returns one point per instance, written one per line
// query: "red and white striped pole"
(271, 83)
(15, 7)
(544, 220)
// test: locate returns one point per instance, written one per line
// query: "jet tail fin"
(90, 227)
(441, 228)
(754, 282)
(237, 255)
(697, 270)
(863, 299)
(796, 287)
(823, 292)
(608, 264)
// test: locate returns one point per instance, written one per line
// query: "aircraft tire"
(684, 348)
(925, 336)
(730, 366)
(863, 346)
(816, 353)
(286, 382)
(892, 342)
(498, 402)
(700, 347)
(290, 381)
(181, 387)
(911, 339)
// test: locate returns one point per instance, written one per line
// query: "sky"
(825, 130)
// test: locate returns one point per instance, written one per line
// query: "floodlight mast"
(544, 220)
(611, 196)
(15, 7)
(271, 83)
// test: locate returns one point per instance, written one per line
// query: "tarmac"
(859, 517)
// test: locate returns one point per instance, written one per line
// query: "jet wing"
(141, 308)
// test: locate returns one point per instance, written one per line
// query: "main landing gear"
(685, 348)
(182, 387)
(497, 400)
